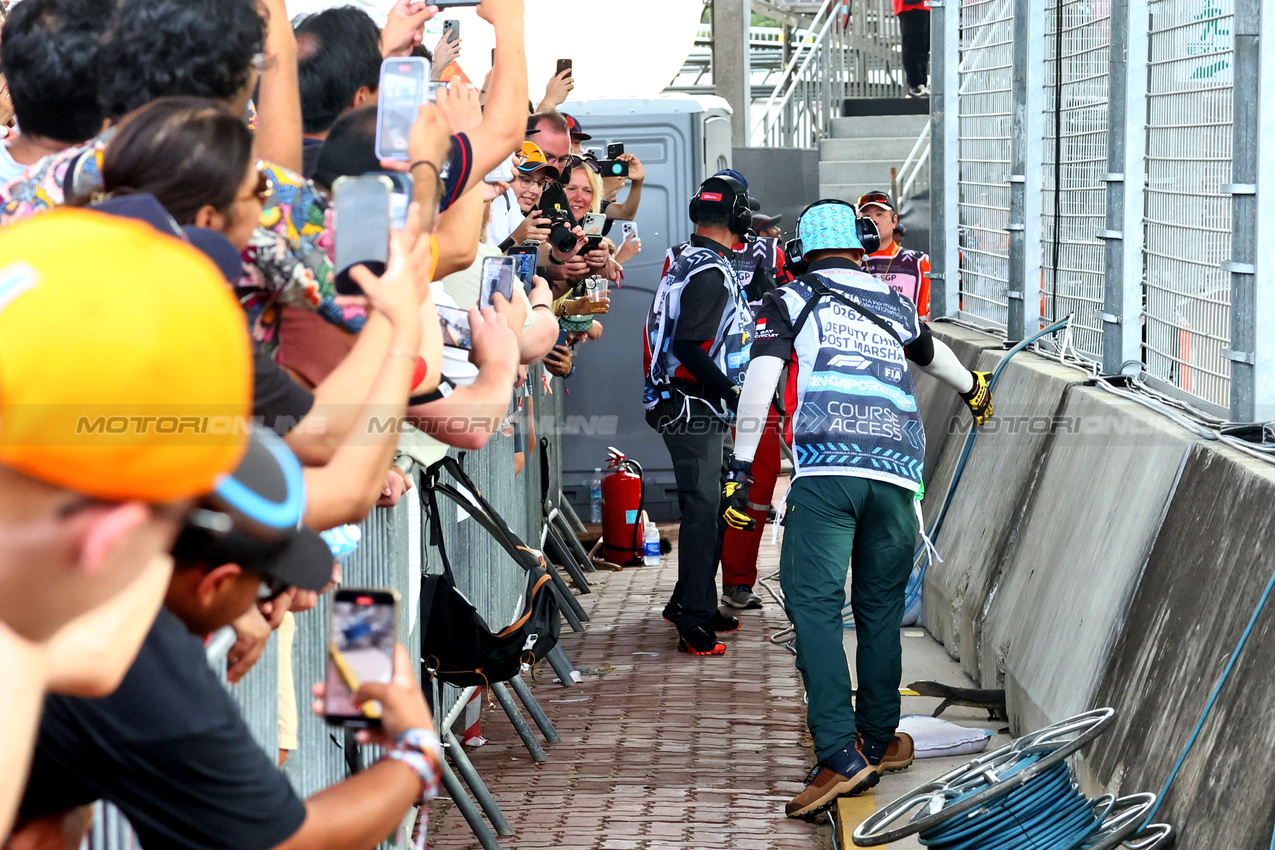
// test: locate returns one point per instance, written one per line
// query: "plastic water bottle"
(595, 496)
(650, 542)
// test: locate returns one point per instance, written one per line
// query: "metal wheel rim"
(873, 831)
(1126, 817)
(1157, 834)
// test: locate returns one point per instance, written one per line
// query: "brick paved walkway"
(659, 751)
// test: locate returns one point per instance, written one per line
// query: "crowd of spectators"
(168, 245)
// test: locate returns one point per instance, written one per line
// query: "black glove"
(732, 400)
(979, 398)
(735, 495)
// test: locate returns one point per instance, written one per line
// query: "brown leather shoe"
(844, 774)
(899, 755)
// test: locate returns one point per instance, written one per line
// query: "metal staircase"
(850, 50)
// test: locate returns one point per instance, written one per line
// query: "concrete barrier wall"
(997, 485)
(1075, 558)
(1207, 568)
(1098, 554)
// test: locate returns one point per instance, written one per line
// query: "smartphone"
(455, 325)
(451, 4)
(613, 168)
(525, 257)
(497, 276)
(361, 221)
(400, 198)
(402, 91)
(563, 65)
(593, 223)
(615, 151)
(451, 29)
(362, 632)
(628, 229)
(504, 171)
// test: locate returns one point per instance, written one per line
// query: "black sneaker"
(700, 641)
(723, 624)
(672, 612)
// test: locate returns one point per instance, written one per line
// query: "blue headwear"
(734, 175)
(829, 226)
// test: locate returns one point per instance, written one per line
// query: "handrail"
(788, 75)
(918, 157)
(922, 164)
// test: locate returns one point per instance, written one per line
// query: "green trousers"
(830, 521)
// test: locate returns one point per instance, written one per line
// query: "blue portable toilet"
(681, 140)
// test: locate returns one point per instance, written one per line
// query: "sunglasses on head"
(875, 198)
(589, 161)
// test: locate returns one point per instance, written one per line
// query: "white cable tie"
(931, 551)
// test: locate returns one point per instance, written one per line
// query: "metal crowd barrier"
(395, 552)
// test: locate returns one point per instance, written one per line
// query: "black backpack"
(457, 645)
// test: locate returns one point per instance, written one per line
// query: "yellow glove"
(735, 496)
(979, 398)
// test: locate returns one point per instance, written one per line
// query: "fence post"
(1244, 205)
(945, 169)
(1126, 163)
(1026, 159)
(1264, 255)
(732, 59)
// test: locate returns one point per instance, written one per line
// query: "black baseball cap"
(760, 221)
(577, 132)
(253, 519)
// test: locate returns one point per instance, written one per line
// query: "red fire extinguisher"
(622, 495)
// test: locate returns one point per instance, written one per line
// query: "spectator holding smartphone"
(86, 520)
(187, 772)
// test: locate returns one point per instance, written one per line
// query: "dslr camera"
(560, 224)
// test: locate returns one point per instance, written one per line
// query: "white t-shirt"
(506, 215)
(10, 170)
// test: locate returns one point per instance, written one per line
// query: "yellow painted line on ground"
(852, 811)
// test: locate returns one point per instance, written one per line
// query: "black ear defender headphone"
(865, 230)
(741, 213)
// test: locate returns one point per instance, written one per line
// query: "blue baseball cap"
(829, 227)
(734, 175)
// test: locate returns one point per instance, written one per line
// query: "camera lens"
(562, 237)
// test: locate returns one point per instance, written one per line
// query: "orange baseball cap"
(532, 159)
(125, 362)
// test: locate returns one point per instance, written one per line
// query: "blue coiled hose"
(1047, 813)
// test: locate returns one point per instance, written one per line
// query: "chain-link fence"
(987, 36)
(1130, 154)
